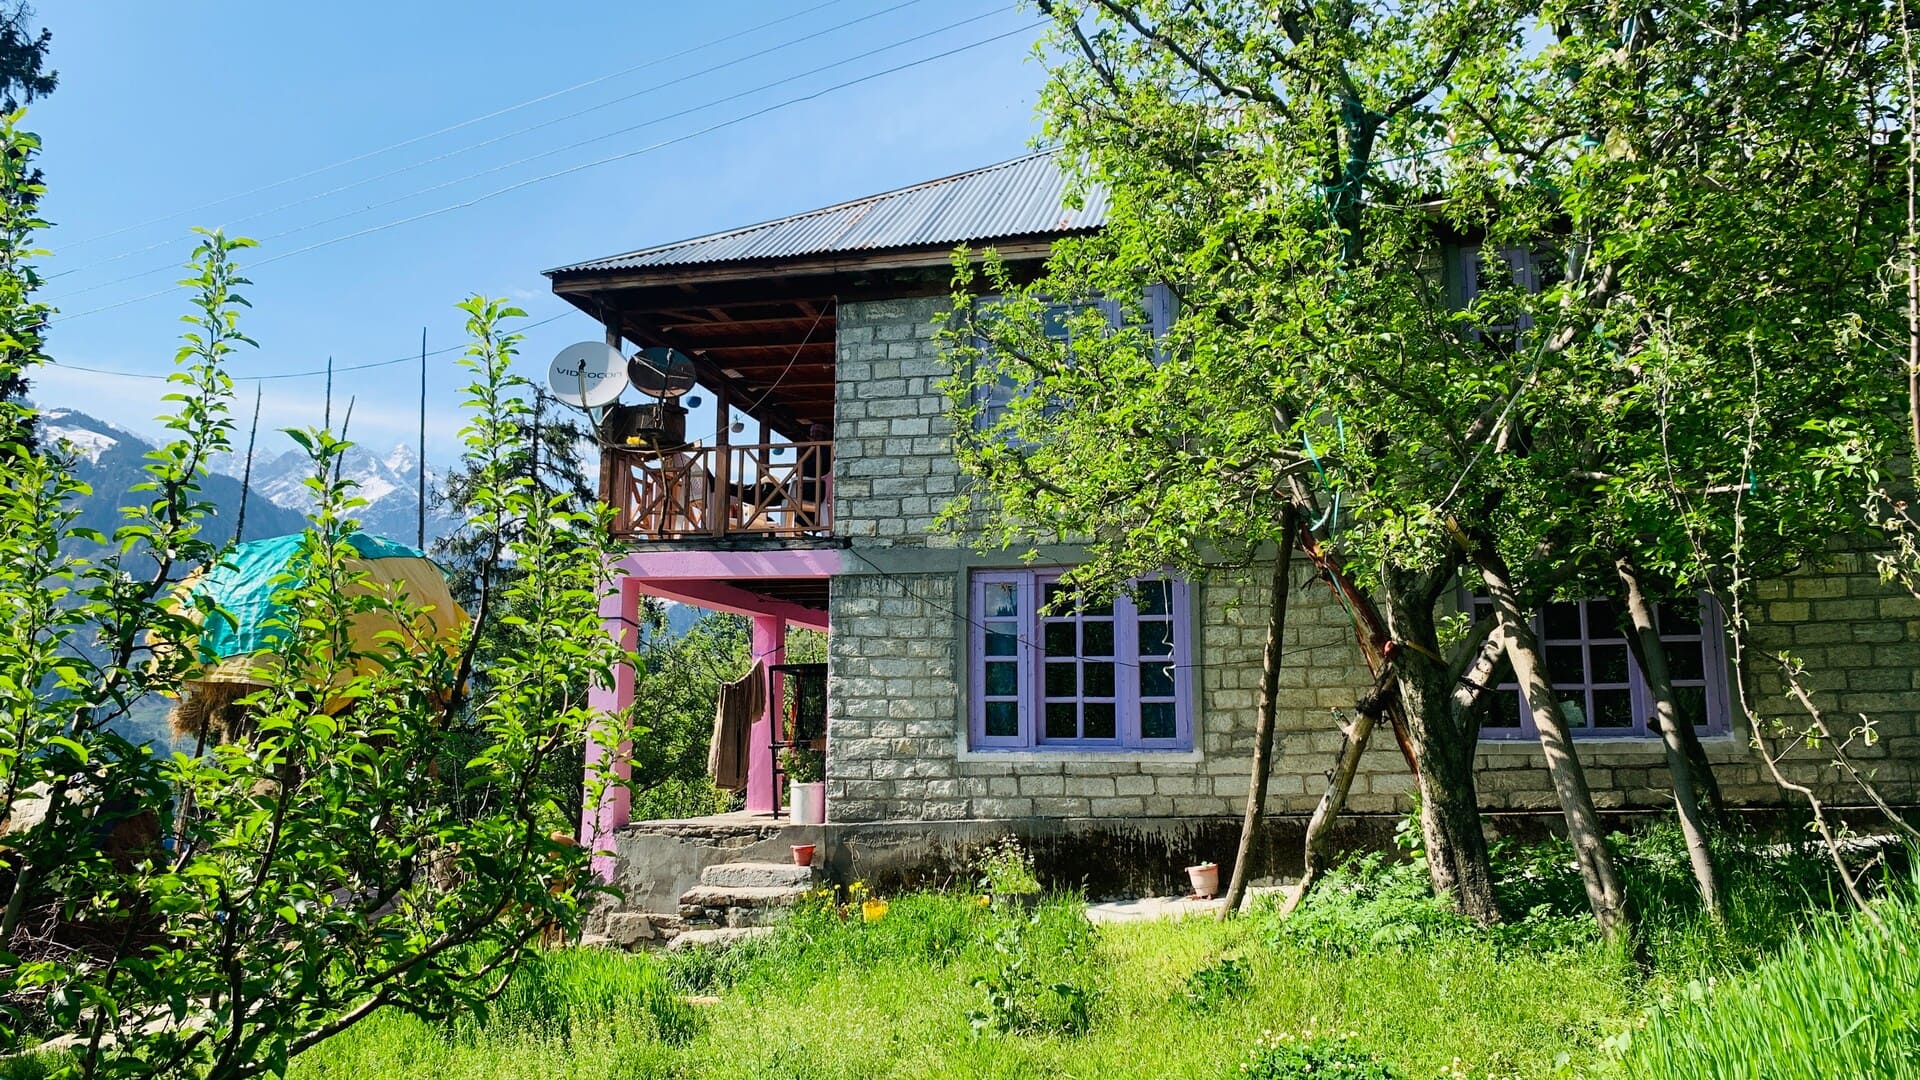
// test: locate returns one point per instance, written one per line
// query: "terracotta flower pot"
(1205, 879)
(803, 854)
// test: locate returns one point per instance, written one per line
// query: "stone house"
(1118, 739)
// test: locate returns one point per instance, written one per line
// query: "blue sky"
(164, 108)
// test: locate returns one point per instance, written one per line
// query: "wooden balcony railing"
(717, 491)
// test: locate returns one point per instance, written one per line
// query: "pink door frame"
(699, 578)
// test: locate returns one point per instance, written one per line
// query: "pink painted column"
(770, 648)
(620, 616)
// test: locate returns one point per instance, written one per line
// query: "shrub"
(1044, 978)
(1367, 904)
(1309, 1056)
(1005, 869)
(1216, 984)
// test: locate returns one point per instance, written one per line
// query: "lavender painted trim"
(1114, 686)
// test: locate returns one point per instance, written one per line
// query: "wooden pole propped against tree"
(1270, 660)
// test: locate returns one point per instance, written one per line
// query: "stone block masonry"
(898, 638)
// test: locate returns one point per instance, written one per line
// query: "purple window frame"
(1009, 707)
(1599, 642)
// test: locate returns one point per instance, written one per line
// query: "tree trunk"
(1443, 750)
(1652, 654)
(1604, 892)
(1263, 725)
(1320, 828)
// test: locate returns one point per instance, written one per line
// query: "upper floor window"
(1050, 671)
(1057, 324)
(1502, 326)
(1601, 688)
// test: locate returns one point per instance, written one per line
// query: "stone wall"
(893, 463)
(896, 735)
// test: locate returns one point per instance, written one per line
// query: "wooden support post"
(722, 495)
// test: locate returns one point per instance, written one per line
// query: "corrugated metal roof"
(1022, 197)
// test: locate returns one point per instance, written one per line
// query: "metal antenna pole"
(246, 471)
(420, 481)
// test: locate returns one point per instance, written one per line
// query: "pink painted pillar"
(620, 616)
(770, 648)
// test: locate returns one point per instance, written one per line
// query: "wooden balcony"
(764, 490)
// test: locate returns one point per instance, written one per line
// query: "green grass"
(898, 998)
(1372, 971)
(1843, 1001)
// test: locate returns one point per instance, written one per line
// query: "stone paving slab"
(1150, 908)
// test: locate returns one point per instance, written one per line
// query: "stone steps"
(731, 900)
(715, 938)
(736, 905)
(757, 875)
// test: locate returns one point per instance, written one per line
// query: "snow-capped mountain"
(390, 484)
(111, 460)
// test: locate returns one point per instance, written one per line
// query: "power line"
(470, 147)
(316, 371)
(516, 163)
(662, 144)
(456, 127)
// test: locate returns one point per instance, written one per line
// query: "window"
(1601, 688)
(1503, 328)
(1110, 675)
(1057, 325)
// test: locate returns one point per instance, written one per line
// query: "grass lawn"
(908, 1015)
(941, 986)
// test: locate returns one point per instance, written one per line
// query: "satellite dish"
(586, 375)
(662, 373)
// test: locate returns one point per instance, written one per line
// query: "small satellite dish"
(586, 375)
(662, 373)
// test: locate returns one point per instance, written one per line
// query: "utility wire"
(482, 144)
(661, 145)
(458, 180)
(316, 371)
(703, 46)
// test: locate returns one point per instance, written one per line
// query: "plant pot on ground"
(806, 768)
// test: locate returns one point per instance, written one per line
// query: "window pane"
(1612, 708)
(1155, 597)
(1003, 718)
(1003, 599)
(1003, 678)
(1063, 720)
(1609, 663)
(1156, 680)
(1060, 641)
(1679, 618)
(1061, 680)
(1156, 638)
(1566, 665)
(1684, 660)
(1603, 619)
(1001, 639)
(1156, 720)
(1058, 598)
(1563, 621)
(1692, 703)
(1504, 713)
(1096, 639)
(1097, 679)
(1099, 719)
(1574, 707)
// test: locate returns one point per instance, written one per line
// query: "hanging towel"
(742, 703)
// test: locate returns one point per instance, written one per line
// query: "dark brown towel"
(742, 703)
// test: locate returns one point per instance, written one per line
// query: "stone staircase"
(733, 900)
